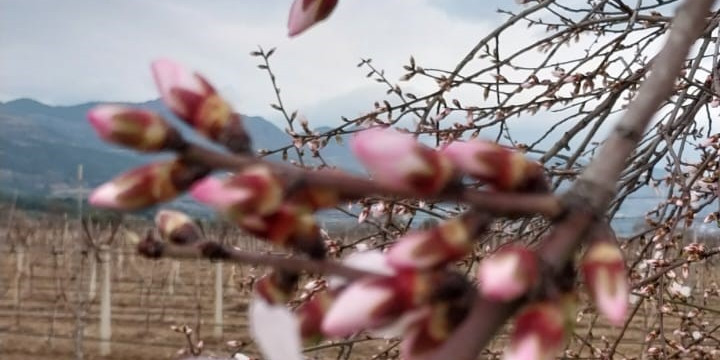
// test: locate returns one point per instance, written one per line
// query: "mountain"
(41, 147)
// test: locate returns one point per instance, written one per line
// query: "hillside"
(41, 147)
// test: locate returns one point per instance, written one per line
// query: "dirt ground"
(39, 304)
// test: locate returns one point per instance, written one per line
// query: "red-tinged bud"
(277, 287)
(508, 274)
(603, 268)
(373, 303)
(448, 307)
(147, 185)
(398, 160)
(255, 191)
(134, 128)
(432, 329)
(503, 168)
(311, 314)
(448, 242)
(540, 332)
(306, 13)
(191, 97)
(177, 228)
(290, 225)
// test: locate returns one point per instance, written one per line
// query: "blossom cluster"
(411, 289)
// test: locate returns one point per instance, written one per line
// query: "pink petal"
(213, 192)
(604, 272)
(306, 13)
(276, 330)
(106, 196)
(527, 348)
(101, 118)
(430, 248)
(388, 154)
(353, 310)
(507, 274)
(403, 253)
(464, 155)
(612, 304)
(371, 260)
(170, 75)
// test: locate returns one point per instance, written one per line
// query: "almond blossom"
(134, 128)
(146, 186)
(507, 274)
(306, 13)
(603, 268)
(398, 160)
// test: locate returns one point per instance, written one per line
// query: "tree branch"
(591, 194)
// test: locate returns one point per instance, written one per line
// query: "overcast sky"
(64, 52)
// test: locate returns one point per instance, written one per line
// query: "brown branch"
(153, 248)
(351, 187)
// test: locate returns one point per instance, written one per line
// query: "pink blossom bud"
(306, 13)
(255, 190)
(372, 303)
(438, 246)
(290, 225)
(508, 274)
(540, 332)
(177, 227)
(604, 271)
(503, 168)
(146, 186)
(398, 160)
(193, 99)
(134, 128)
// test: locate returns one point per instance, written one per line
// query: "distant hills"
(41, 147)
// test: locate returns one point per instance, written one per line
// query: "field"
(49, 294)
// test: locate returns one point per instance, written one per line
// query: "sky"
(74, 51)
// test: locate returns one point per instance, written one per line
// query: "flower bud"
(540, 332)
(177, 228)
(147, 185)
(398, 160)
(306, 13)
(508, 274)
(372, 303)
(192, 98)
(290, 225)
(503, 168)
(445, 243)
(448, 307)
(254, 191)
(134, 128)
(604, 271)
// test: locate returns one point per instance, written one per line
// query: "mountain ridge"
(41, 147)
